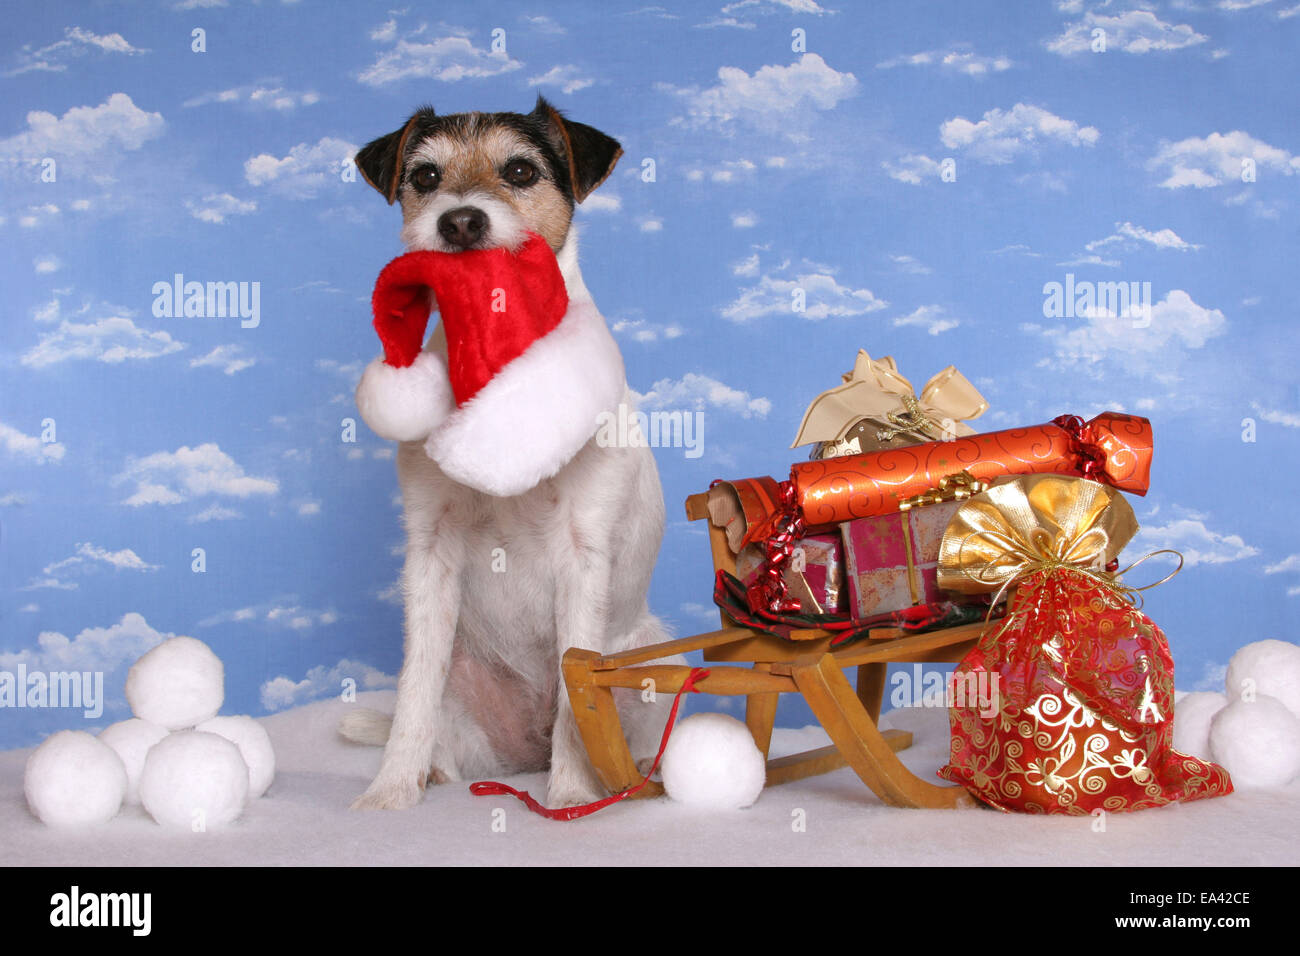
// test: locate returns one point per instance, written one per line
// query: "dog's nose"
(462, 226)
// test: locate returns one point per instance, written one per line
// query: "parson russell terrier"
(553, 544)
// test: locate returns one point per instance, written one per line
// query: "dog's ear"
(589, 153)
(380, 161)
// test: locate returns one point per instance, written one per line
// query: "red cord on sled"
(487, 788)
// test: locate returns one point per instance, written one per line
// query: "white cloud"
(28, 448)
(1133, 31)
(386, 32)
(714, 22)
(305, 171)
(652, 224)
(822, 296)
(1128, 236)
(308, 508)
(1276, 416)
(447, 59)
(47, 264)
(229, 358)
(1216, 160)
(86, 138)
(777, 6)
(699, 392)
(215, 513)
(567, 77)
(258, 97)
(1232, 6)
(912, 168)
(87, 555)
(999, 137)
(1142, 343)
(640, 330)
(215, 207)
(933, 318)
(747, 267)
(281, 692)
(38, 215)
(744, 220)
(602, 202)
(1290, 563)
(910, 265)
(93, 649)
(1197, 543)
(111, 340)
(188, 473)
(76, 42)
(951, 61)
(776, 99)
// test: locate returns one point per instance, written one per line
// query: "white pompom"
(254, 745)
(1257, 742)
(74, 779)
(131, 740)
(176, 685)
(1274, 669)
(405, 404)
(194, 780)
(711, 761)
(1192, 716)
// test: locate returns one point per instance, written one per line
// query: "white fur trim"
(537, 412)
(405, 404)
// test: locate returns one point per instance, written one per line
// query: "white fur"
(405, 404)
(498, 587)
(506, 228)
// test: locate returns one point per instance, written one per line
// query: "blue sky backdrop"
(921, 170)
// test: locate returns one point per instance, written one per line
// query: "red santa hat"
(528, 370)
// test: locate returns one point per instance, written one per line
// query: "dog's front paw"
(573, 790)
(400, 793)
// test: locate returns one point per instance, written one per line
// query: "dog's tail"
(363, 726)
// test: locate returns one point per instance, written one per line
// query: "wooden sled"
(759, 667)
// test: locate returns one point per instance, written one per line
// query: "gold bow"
(1033, 522)
(874, 389)
(1041, 523)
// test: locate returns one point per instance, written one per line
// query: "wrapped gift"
(891, 561)
(875, 407)
(814, 574)
(1067, 705)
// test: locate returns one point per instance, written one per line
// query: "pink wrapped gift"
(891, 561)
(815, 574)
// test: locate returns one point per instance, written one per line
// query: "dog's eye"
(520, 172)
(426, 178)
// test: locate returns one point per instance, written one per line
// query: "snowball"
(131, 740)
(176, 685)
(1274, 666)
(1192, 715)
(254, 745)
(194, 780)
(1258, 742)
(74, 779)
(711, 761)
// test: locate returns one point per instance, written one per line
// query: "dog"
(480, 691)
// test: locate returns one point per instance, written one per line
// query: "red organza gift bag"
(1080, 680)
